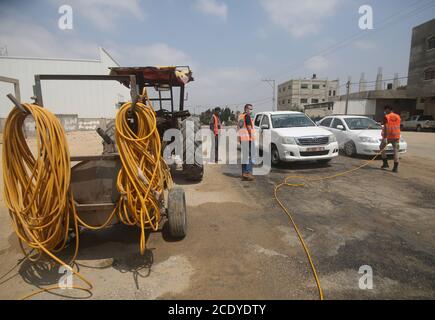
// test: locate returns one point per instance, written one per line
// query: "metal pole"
(347, 96)
(272, 83)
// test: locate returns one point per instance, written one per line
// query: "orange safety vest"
(392, 126)
(216, 125)
(242, 129)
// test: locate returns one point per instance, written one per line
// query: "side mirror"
(340, 127)
(264, 127)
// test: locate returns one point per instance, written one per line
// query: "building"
(82, 99)
(421, 72)
(294, 94)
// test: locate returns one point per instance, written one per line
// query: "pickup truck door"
(265, 123)
(257, 124)
(412, 123)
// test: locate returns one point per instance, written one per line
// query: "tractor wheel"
(177, 220)
(193, 167)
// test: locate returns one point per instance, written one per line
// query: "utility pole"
(272, 83)
(347, 96)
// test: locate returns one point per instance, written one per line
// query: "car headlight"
(332, 138)
(288, 140)
(368, 139)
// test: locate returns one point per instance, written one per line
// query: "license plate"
(316, 149)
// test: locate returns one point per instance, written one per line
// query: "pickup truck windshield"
(291, 121)
(362, 124)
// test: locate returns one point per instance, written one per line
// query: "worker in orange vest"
(246, 136)
(391, 134)
(215, 127)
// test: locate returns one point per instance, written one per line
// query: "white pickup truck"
(294, 137)
(419, 123)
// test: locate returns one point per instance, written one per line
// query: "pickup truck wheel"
(350, 149)
(275, 156)
(419, 128)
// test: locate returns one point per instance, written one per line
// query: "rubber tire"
(419, 129)
(350, 149)
(274, 151)
(192, 172)
(177, 219)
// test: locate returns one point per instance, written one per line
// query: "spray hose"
(37, 186)
(305, 179)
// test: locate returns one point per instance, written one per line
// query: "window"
(289, 87)
(304, 86)
(289, 101)
(330, 92)
(257, 120)
(326, 122)
(314, 100)
(291, 121)
(429, 74)
(333, 93)
(304, 100)
(336, 123)
(283, 89)
(431, 43)
(316, 86)
(265, 121)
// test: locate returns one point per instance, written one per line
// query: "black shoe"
(385, 165)
(396, 167)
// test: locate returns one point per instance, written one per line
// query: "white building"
(86, 99)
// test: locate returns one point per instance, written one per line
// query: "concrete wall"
(421, 59)
(70, 122)
(356, 107)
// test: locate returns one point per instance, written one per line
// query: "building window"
(304, 86)
(316, 86)
(333, 93)
(429, 74)
(330, 92)
(289, 87)
(304, 100)
(314, 100)
(289, 101)
(431, 43)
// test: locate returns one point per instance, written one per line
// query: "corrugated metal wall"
(87, 99)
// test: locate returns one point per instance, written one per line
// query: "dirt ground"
(240, 245)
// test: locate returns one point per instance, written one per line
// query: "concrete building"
(421, 72)
(294, 94)
(86, 101)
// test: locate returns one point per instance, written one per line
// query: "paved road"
(240, 245)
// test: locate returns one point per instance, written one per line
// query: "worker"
(215, 127)
(246, 136)
(390, 134)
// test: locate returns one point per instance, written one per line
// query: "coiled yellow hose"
(144, 174)
(37, 187)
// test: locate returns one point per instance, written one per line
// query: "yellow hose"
(293, 222)
(37, 187)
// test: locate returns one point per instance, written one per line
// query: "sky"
(231, 45)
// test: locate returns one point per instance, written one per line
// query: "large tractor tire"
(177, 220)
(193, 166)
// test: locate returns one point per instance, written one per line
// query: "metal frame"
(39, 77)
(16, 100)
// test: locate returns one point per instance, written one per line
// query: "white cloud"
(300, 18)
(24, 38)
(317, 63)
(158, 54)
(104, 14)
(365, 45)
(212, 7)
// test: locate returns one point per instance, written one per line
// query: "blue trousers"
(247, 149)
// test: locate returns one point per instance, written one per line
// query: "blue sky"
(231, 45)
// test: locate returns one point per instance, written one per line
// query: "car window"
(336, 123)
(326, 122)
(362, 124)
(265, 120)
(257, 120)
